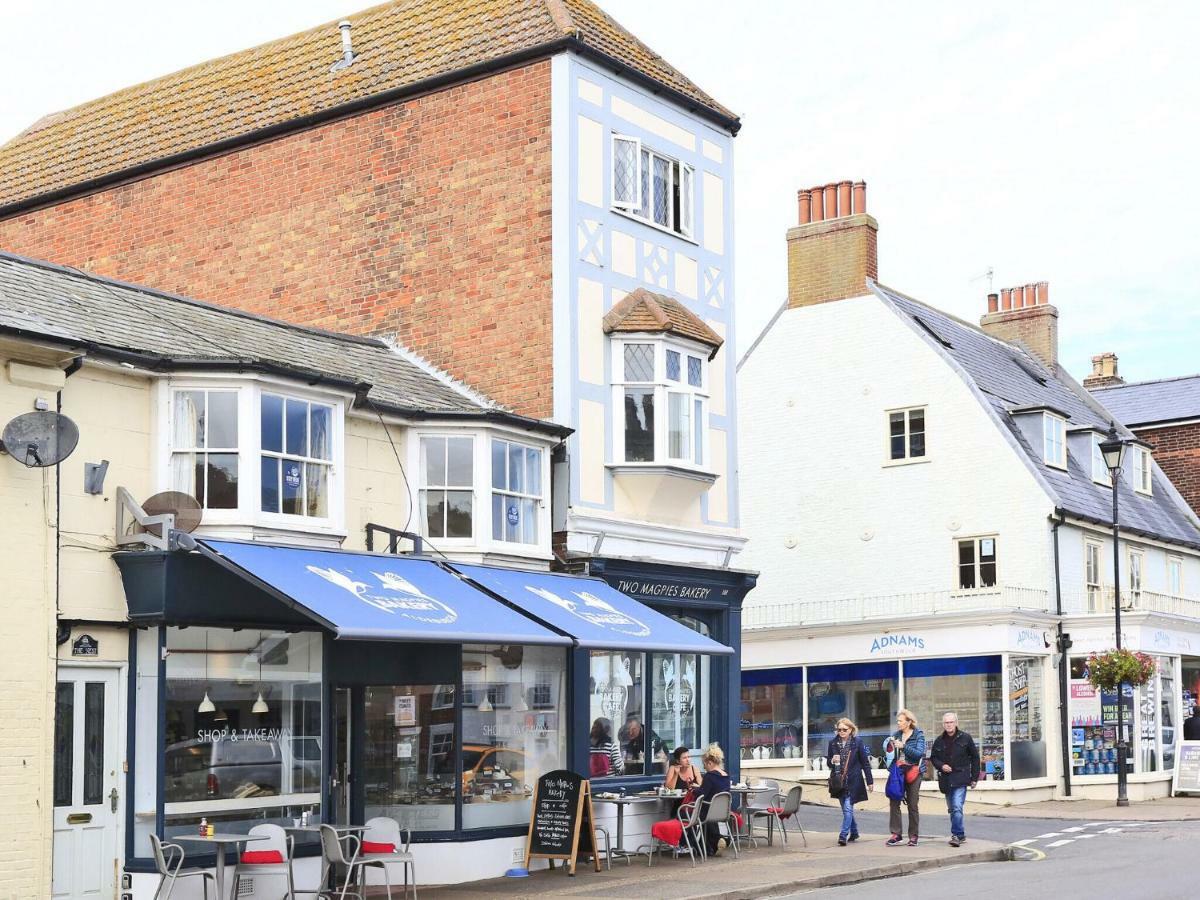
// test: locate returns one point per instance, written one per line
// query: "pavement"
(1166, 809)
(762, 872)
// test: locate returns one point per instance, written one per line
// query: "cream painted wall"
(375, 489)
(813, 475)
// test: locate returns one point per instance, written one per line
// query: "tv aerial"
(39, 439)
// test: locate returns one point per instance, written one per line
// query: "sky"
(1038, 141)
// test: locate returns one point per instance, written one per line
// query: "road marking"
(1074, 829)
(1084, 837)
(1024, 842)
(1060, 843)
(1050, 835)
(1111, 831)
(1035, 855)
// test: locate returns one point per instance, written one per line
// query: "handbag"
(837, 782)
(894, 789)
(911, 772)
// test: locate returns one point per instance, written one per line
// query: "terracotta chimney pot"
(1043, 293)
(993, 301)
(831, 210)
(818, 204)
(1006, 298)
(859, 189)
(843, 198)
(805, 206)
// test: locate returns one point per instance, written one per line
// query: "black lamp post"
(1113, 450)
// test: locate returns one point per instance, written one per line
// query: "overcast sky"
(1044, 141)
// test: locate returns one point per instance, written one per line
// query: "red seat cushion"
(737, 817)
(260, 857)
(669, 832)
(377, 847)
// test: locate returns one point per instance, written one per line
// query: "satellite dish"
(38, 439)
(184, 507)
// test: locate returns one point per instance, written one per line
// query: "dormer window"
(1142, 470)
(1054, 440)
(1100, 473)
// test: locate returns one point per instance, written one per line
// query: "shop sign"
(896, 643)
(674, 590)
(1085, 703)
(1187, 768)
(594, 610)
(242, 735)
(405, 599)
(1030, 639)
(85, 645)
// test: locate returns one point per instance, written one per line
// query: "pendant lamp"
(206, 705)
(485, 705)
(260, 705)
(520, 705)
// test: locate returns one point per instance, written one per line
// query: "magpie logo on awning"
(406, 598)
(592, 609)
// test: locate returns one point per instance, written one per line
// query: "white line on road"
(1111, 831)
(1084, 837)
(1050, 835)
(1060, 843)
(1024, 842)
(1074, 829)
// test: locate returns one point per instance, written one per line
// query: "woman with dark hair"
(605, 757)
(681, 773)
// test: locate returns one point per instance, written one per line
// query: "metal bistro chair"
(782, 809)
(381, 847)
(168, 861)
(334, 856)
(269, 858)
(678, 833)
(718, 811)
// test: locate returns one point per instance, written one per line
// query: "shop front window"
(242, 740)
(1148, 702)
(772, 715)
(969, 687)
(1026, 711)
(513, 721)
(1166, 675)
(865, 693)
(409, 761)
(1093, 716)
(616, 688)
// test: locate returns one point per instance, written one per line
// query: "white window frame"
(1136, 573)
(907, 412)
(1175, 575)
(481, 541)
(1100, 473)
(698, 456)
(1053, 424)
(978, 542)
(1143, 471)
(680, 174)
(282, 455)
(248, 515)
(422, 486)
(1093, 573)
(539, 499)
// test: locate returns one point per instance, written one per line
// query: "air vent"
(246, 887)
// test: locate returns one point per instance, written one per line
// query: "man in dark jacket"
(1191, 728)
(955, 758)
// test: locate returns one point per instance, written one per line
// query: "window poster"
(405, 710)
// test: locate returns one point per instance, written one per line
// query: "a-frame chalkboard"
(561, 823)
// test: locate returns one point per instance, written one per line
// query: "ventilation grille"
(246, 887)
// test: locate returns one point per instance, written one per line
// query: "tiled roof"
(40, 300)
(1012, 379)
(398, 46)
(1146, 402)
(642, 310)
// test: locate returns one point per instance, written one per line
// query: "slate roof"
(398, 46)
(1153, 402)
(166, 332)
(644, 311)
(1011, 379)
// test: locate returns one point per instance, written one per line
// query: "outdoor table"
(743, 794)
(620, 803)
(221, 841)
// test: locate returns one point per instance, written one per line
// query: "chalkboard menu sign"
(561, 823)
(1187, 767)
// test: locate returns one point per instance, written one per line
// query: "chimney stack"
(1104, 372)
(1023, 315)
(832, 252)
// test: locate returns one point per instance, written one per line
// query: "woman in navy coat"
(848, 755)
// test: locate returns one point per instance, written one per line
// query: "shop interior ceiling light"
(485, 705)
(206, 705)
(260, 705)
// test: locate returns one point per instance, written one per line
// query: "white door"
(86, 788)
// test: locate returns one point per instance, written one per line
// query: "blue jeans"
(849, 826)
(954, 805)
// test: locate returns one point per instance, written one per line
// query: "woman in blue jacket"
(848, 755)
(906, 747)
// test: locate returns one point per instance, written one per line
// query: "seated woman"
(715, 781)
(605, 756)
(681, 773)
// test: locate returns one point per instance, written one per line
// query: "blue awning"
(375, 597)
(597, 615)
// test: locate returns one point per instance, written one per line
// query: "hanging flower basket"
(1112, 668)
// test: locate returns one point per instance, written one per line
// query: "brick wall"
(1035, 328)
(1177, 452)
(428, 220)
(831, 260)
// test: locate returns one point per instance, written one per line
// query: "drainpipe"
(1063, 644)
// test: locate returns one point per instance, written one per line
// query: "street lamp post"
(1113, 450)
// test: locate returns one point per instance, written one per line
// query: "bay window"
(653, 187)
(253, 455)
(516, 492)
(663, 397)
(447, 486)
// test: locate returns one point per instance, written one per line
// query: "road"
(1056, 858)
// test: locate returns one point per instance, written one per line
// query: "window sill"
(660, 469)
(1062, 467)
(911, 461)
(651, 224)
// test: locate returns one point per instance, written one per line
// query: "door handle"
(112, 799)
